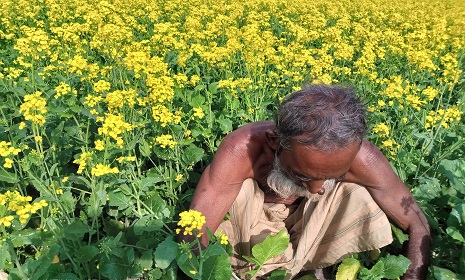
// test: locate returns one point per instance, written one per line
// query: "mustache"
(285, 187)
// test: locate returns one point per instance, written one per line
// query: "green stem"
(15, 257)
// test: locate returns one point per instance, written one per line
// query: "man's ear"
(272, 139)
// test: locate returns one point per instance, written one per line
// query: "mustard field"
(110, 111)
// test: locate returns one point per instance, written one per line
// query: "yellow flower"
(6, 221)
(382, 129)
(165, 141)
(34, 108)
(65, 179)
(22, 125)
(82, 161)
(101, 86)
(64, 89)
(59, 191)
(191, 220)
(388, 143)
(99, 145)
(179, 177)
(223, 237)
(8, 163)
(198, 112)
(193, 272)
(102, 169)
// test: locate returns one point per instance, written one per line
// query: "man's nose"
(315, 186)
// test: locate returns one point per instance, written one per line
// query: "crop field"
(111, 110)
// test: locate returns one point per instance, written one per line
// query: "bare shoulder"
(369, 154)
(371, 168)
(246, 141)
(240, 149)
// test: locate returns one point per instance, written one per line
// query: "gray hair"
(326, 117)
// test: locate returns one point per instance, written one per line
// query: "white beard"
(286, 188)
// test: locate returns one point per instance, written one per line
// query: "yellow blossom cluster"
(126, 159)
(83, 160)
(35, 43)
(381, 129)
(164, 116)
(198, 112)
(444, 117)
(13, 203)
(190, 221)
(7, 151)
(165, 140)
(63, 89)
(223, 237)
(101, 86)
(103, 169)
(114, 126)
(34, 108)
(120, 98)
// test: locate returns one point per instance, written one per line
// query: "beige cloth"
(345, 221)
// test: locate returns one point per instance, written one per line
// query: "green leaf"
(348, 269)
(4, 255)
(188, 262)
(217, 267)
(280, 275)
(400, 235)
(8, 177)
(197, 100)
(76, 228)
(86, 253)
(23, 237)
(455, 172)
(147, 223)
(156, 203)
(67, 201)
(444, 274)
(166, 252)
(144, 149)
(271, 246)
(120, 200)
(456, 222)
(145, 261)
(45, 260)
(251, 260)
(225, 125)
(192, 154)
(428, 189)
(395, 266)
(113, 267)
(214, 250)
(65, 276)
(375, 273)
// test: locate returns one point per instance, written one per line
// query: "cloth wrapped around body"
(346, 220)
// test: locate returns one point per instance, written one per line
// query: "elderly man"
(313, 173)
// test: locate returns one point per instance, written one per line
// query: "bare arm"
(372, 170)
(221, 181)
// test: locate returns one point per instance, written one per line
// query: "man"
(313, 173)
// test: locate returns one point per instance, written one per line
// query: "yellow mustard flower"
(191, 220)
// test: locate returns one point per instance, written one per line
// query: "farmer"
(312, 172)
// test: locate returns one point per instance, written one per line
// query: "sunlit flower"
(191, 220)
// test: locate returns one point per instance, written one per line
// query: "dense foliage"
(110, 110)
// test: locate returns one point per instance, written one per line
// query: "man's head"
(325, 117)
(319, 131)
